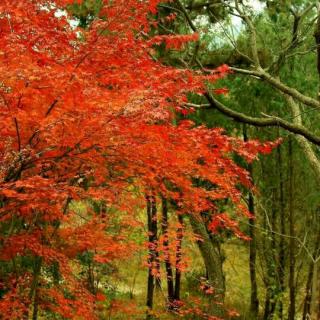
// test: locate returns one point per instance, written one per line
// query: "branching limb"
(276, 83)
(253, 34)
(16, 124)
(302, 141)
(270, 121)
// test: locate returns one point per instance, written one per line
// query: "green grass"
(130, 282)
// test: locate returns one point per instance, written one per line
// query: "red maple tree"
(87, 114)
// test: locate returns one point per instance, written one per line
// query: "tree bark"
(282, 249)
(303, 143)
(254, 301)
(34, 287)
(315, 296)
(267, 305)
(318, 311)
(292, 286)
(213, 264)
(317, 40)
(310, 291)
(169, 272)
(307, 300)
(272, 284)
(35, 305)
(177, 287)
(270, 121)
(152, 232)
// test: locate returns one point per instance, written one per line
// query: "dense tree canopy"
(93, 113)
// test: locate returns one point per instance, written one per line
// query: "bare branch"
(253, 34)
(186, 14)
(18, 133)
(270, 121)
(276, 83)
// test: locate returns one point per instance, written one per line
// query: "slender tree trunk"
(267, 305)
(269, 244)
(34, 287)
(157, 258)
(266, 258)
(282, 249)
(213, 264)
(254, 301)
(273, 266)
(318, 311)
(315, 291)
(292, 287)
(152, 232)
(169, 272)
(310, 291)
(35, 305)
(307, 300)
(317, 40)
(177, 287)
(272, 281)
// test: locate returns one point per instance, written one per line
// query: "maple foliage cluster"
(86, 114)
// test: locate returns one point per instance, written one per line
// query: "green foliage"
(86, 11)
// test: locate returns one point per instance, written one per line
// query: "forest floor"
(129, 284)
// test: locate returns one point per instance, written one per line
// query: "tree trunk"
(315, 291)
(272, 285)
(292, 287)
(318, 311)
(178, 258)
(254, 301)
(303, 142)
(35, 305)
(310, 290)
(169, 272)
(267, 305)
(213, 264)
(317, 41)
(307, 300)
(152, 232)
(282, 249)
(34, 287)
